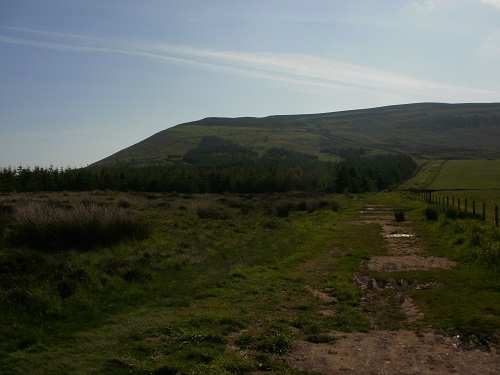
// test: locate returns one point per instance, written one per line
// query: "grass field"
(424, 176)
(222, 284)
(472, 180)
(468, 175)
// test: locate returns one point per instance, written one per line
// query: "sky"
(83, 79)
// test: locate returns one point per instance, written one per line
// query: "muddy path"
(398, 351)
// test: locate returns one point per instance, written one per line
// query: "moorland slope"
(422, 130)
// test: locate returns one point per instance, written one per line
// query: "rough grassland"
(233, 292)
(425, 131)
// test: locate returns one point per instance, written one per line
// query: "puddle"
(400, 235)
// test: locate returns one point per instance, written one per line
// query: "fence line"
(440, 199)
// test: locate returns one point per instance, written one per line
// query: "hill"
(422, 130)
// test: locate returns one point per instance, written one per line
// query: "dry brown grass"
(82, 225)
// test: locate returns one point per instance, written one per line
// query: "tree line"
(276, 171)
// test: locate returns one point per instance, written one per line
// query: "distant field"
(426, 174)
(475, 180)
(468, 174)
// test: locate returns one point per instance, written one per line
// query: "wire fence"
(463, 205)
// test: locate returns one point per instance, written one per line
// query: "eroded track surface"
(403, 351)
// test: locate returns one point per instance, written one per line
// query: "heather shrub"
(211, 211)
(399, 215)
(123, 203)
(333, 205)
(83, 226)
(431, 214)
(313, 205)
(283, 208)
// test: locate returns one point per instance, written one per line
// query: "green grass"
(207, 295)
(423, 130)
(424, 176)
(476, 247)
(468, 175)
(490, 198)
(476, 181)
(225, 275)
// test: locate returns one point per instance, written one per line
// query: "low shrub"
(431, 214)
(313, 205)
(333, 205)
(481, 244)
(83, 226)
(123, 203)
(399, 215)
(211, 211)
(451, 213)
(231, 202)
(303, 205)
(320, 338)
(282, 208)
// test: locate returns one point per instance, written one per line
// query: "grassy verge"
(424, 176)
(463, 300)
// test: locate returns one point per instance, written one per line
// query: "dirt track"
(394, 352)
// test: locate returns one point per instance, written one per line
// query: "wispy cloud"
(299, 70)
(420, 6)
(431, 5)
(494, 3)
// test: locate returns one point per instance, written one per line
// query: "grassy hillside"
(425, 130)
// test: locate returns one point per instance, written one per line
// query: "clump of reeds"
(284, 206)
(82, 226)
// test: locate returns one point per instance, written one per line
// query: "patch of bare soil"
(408, 262)
(401, 242)
(392, 352)
(387, 351)
(320, 295)
(379, 304)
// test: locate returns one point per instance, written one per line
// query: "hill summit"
(421, 130)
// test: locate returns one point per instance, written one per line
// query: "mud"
(389, 352)
(392, 352)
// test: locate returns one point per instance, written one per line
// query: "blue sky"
(82, 79)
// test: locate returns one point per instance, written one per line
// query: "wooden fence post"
(453, 202)
(484, 211)
(473, 208)
(465, 206)
(496, 216)
(458, 204)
